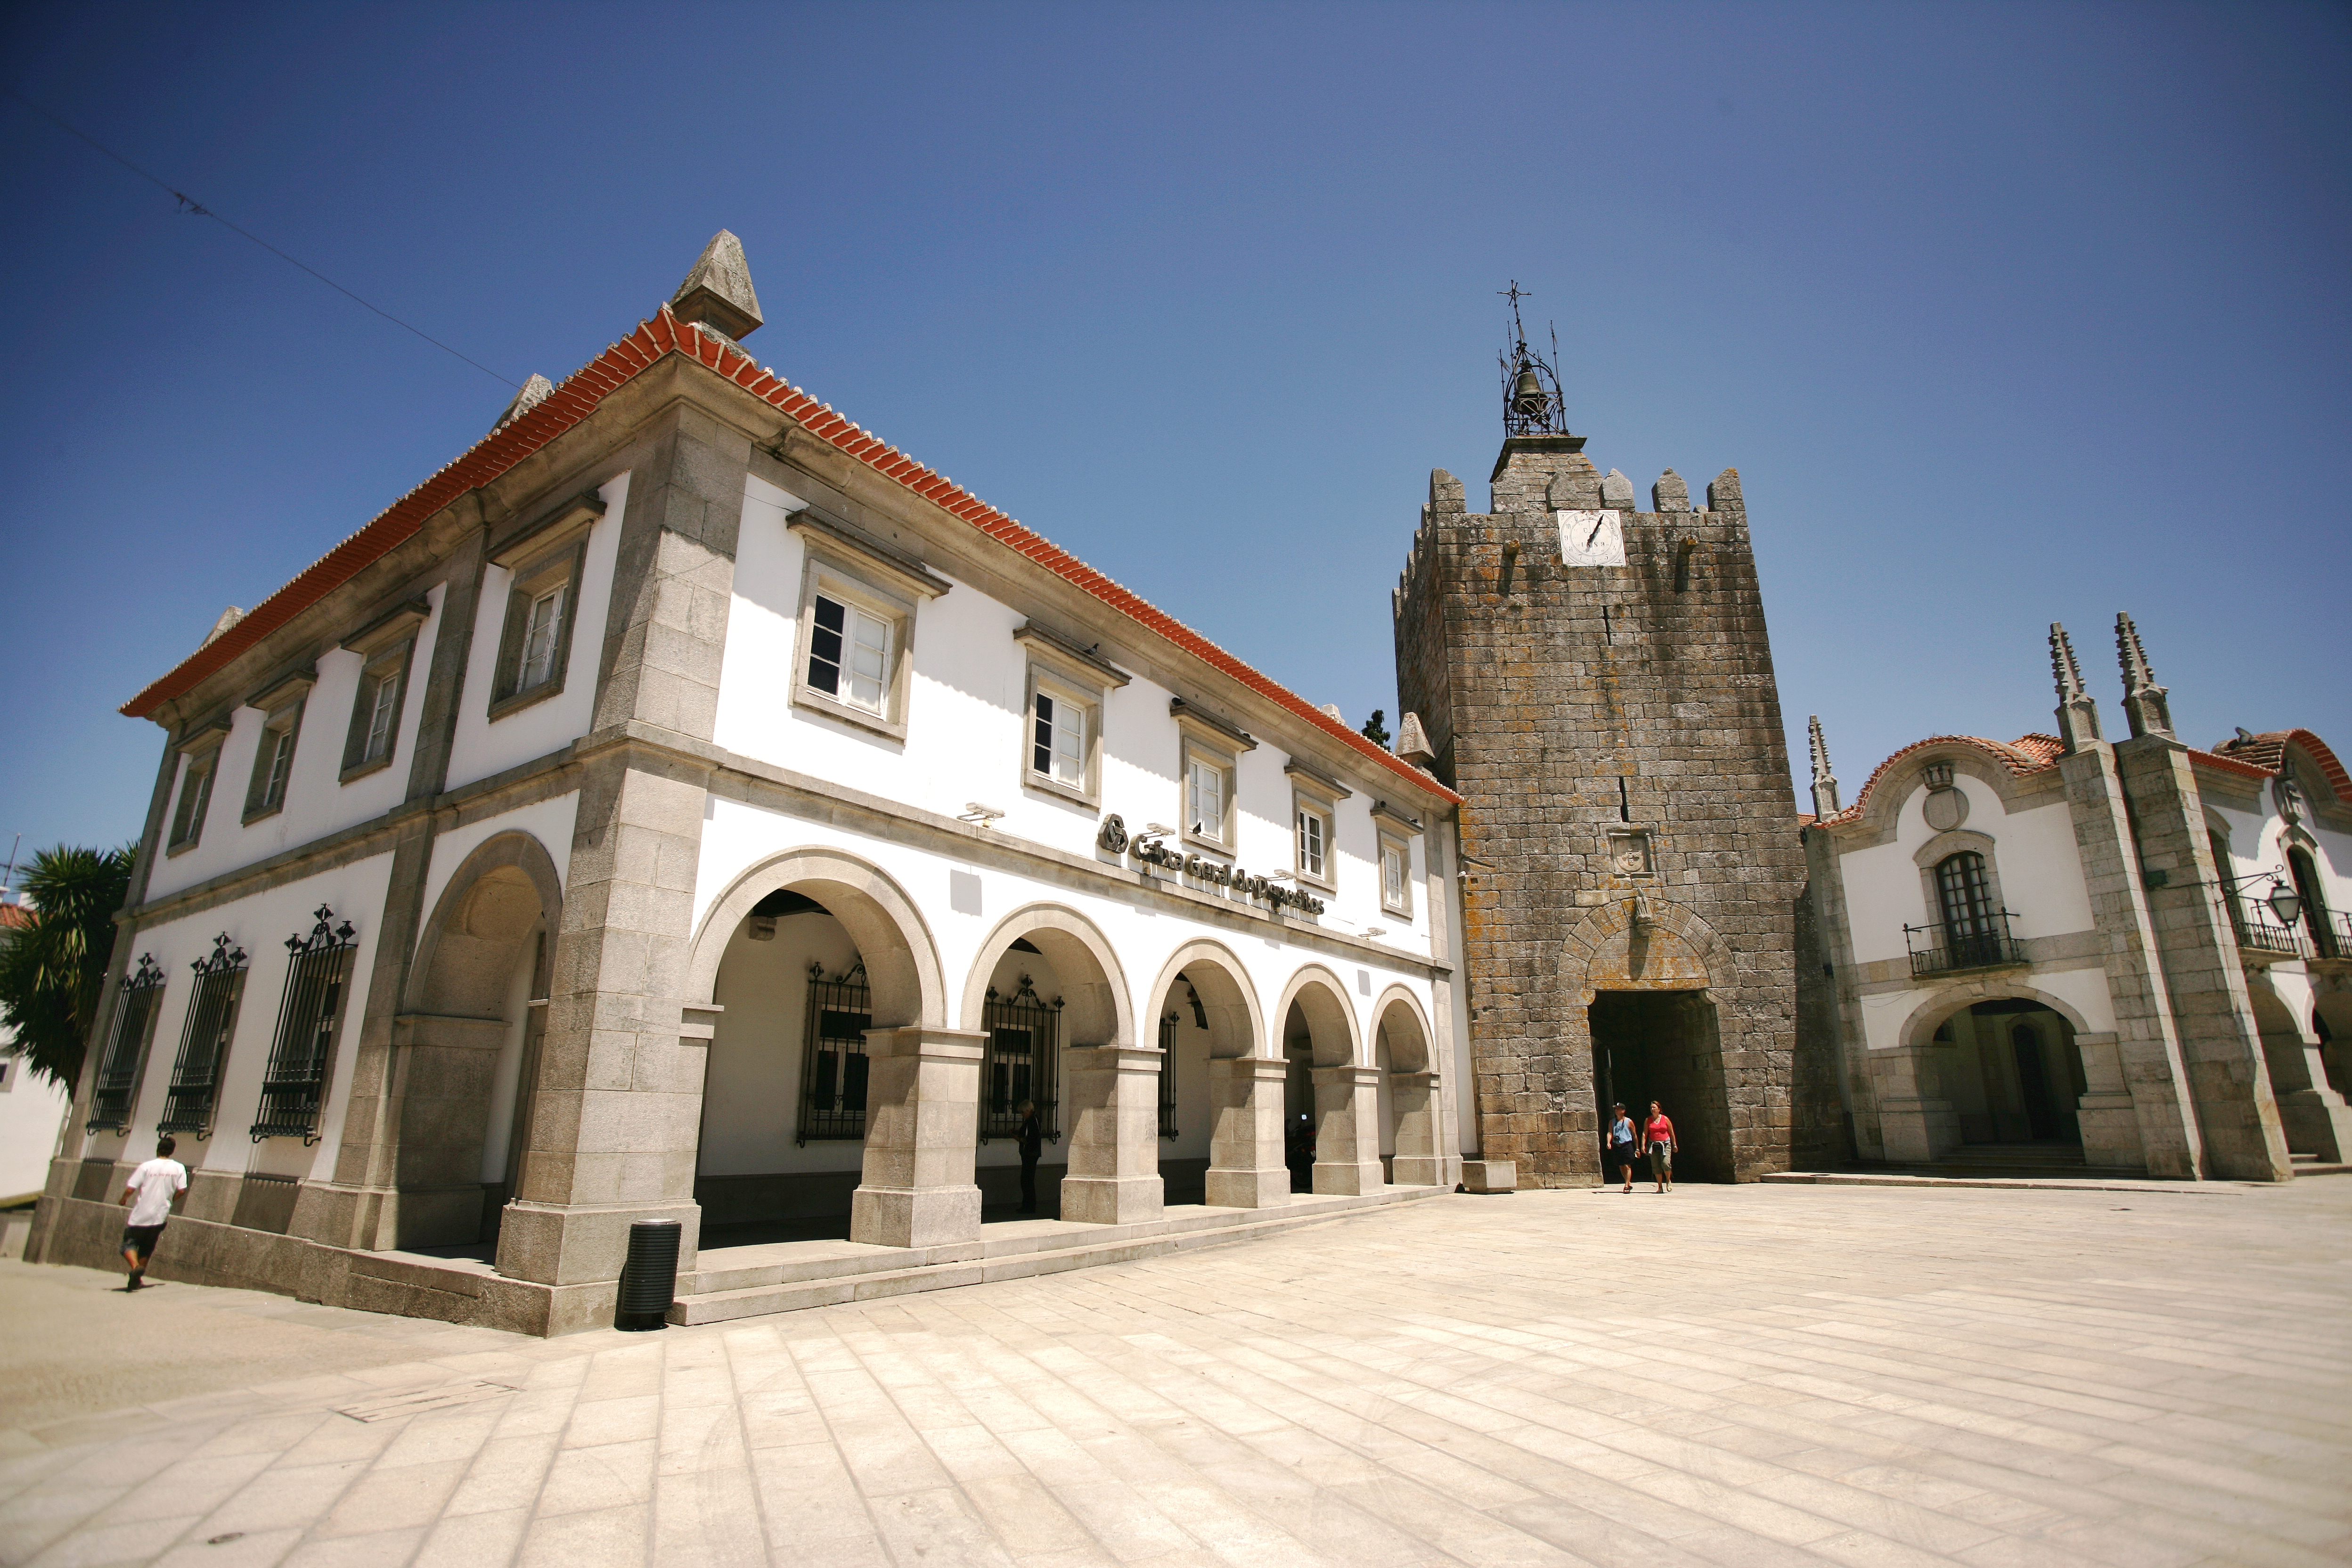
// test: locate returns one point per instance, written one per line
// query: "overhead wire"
(196, 208)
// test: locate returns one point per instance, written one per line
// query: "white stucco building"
(687, 806)
(2131, 955)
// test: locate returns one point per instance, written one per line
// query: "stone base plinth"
(1112, 1200)
(914, 1216)
(1490, 1175)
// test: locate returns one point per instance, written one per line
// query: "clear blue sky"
(2006, 314)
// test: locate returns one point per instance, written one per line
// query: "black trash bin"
(649, 1278)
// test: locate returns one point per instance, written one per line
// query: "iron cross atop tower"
(1531, 400)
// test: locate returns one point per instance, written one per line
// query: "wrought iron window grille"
(203, 1040)
(126, 1047)
(834, 1064)
(317, 972)
(1020, 1062)
(1983, 941)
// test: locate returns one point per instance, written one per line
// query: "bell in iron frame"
(1527, 397)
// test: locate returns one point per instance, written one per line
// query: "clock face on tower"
(1590, 538)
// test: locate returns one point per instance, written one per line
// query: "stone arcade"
(589, 839)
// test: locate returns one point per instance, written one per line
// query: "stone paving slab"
(1726, 1376)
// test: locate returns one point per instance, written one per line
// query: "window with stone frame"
(542, 608)
(195, 797)
(1208, 799)
(856, 631)
(1396, 874)
(1314, 824)
(387, 650)
(273, 760)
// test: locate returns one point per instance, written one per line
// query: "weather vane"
(1532, 404)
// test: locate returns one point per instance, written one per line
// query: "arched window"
(1966, 896)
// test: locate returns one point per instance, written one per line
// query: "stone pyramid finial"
(229, 619)
(1413, 743)
(1826, 784)
(2145, 707)
(2078, 716)
(718, 293)
(534, 393)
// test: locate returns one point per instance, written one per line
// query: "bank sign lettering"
(1154, 851)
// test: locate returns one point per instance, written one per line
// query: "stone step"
(1011, 1250)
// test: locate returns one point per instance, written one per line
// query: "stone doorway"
(1663, 1045)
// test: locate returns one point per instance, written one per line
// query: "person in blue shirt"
(1622, 1144)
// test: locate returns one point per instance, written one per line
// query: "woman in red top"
(1658, 1143)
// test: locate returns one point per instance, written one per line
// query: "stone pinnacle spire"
(718, 293)
(2078, 715)
(2146, 708)
(1826, 784)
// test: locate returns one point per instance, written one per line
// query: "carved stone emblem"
(1629, 851)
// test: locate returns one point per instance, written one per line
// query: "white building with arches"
(2061, 951)
(686, 806)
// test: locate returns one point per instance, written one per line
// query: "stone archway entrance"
(1664, 1046)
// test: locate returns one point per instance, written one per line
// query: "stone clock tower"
(1595, 679)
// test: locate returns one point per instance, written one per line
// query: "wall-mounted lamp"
(985, 816)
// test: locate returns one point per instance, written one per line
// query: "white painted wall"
(32, 1113)
(260, 924)
(484, 746)
(317, 804)
(2039, 872)
(549, 821)
(966, 734)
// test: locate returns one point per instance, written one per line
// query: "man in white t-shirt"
(152, 1188)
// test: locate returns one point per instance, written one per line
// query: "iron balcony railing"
(2335, 934)
(2258, 929)
(1983, 943)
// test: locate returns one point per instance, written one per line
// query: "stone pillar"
(1245, 1164)
(2108, 1121)
(2313, 1115)
(1113, 1093)
(922, 1130)
(617, 1118)
(2148, 1044)
(1914, 1128)
(2197, 952)
(1418, 1162)
(1348, 1130)
(618, 1114)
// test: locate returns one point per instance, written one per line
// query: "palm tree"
(53, 966)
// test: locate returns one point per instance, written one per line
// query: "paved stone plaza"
(1734, 1376)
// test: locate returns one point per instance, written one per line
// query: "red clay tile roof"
(579, 396)
(2266, 754)
(2026, 755)
(14, 917)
